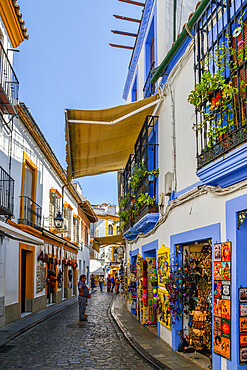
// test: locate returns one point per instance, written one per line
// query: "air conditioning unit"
(168, 183)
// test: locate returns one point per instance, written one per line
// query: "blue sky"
(68, 63)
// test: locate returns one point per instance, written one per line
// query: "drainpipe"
(174, 149)
(174, 20)
(181, 38)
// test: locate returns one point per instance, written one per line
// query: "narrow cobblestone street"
(64, 342)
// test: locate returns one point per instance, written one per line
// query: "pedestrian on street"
(92, 282)
(112, 284)
(101, 279)
(117, 283)
(108, 283)
(83, 297)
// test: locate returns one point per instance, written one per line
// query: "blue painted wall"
(134, 93)
(238, 270)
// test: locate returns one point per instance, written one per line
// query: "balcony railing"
(147, 186)
(149, 89)
(144, 159)
(30, 213)
(220, 62)
(9, 84)
(6, 193)
(146, 209)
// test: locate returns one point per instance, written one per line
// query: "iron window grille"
(9, 84)
(149, 89)
(76, 230)
(30, 213)
(67, 219)
(145, 154)
(54, 208)
(221, 45)
(6, 194)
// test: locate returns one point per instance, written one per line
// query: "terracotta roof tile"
(21, 21)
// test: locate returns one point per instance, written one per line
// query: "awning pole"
(118, 119)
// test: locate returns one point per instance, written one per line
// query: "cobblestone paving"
(63, 342)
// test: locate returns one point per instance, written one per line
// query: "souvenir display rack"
(243, 325)
(163, 272)
(189, 287)
(139, 273)
(222, 299)
(127, 282)
(148, 311)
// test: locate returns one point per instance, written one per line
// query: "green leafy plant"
(214, 97)
(124, 216)
(138, 172)
(125, 200)
(145, 199)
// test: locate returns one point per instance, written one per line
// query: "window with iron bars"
(219, 97)
(145, 154)
(75, 230)
(67, 219)
(54, 208)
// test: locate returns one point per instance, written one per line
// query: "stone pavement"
(14, 329)
(149, 345)
(63, 342)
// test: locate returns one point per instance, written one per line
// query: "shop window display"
(189, 287)
(149, 292)
(163, 303)
(132, 288)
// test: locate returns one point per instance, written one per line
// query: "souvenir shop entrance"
(197, 295)
(142, 287)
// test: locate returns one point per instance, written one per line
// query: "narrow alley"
(64, 342)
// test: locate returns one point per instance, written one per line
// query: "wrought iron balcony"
(222, 146)
(138, 182)
(149, 89)
(146, 186)
(30, 213)
(220, 64)
(146, 209)
(9, 84)
(6, 194)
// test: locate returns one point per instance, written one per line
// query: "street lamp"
(115, 254)
(58, 220)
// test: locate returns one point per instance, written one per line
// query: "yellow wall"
(11, 22)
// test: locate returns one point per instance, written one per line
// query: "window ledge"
(226, 170)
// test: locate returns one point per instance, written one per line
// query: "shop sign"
(243, 325)
(222, 299)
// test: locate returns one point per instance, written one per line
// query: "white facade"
(107, 225)
(28, 162)
(196, 209)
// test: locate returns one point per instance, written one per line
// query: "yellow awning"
(100, 141)
(108, 240)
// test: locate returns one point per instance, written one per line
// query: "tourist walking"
(92, 282)
(108, 283)
(82, 298)
(112, 284)
(101, 279)
(117, 283)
